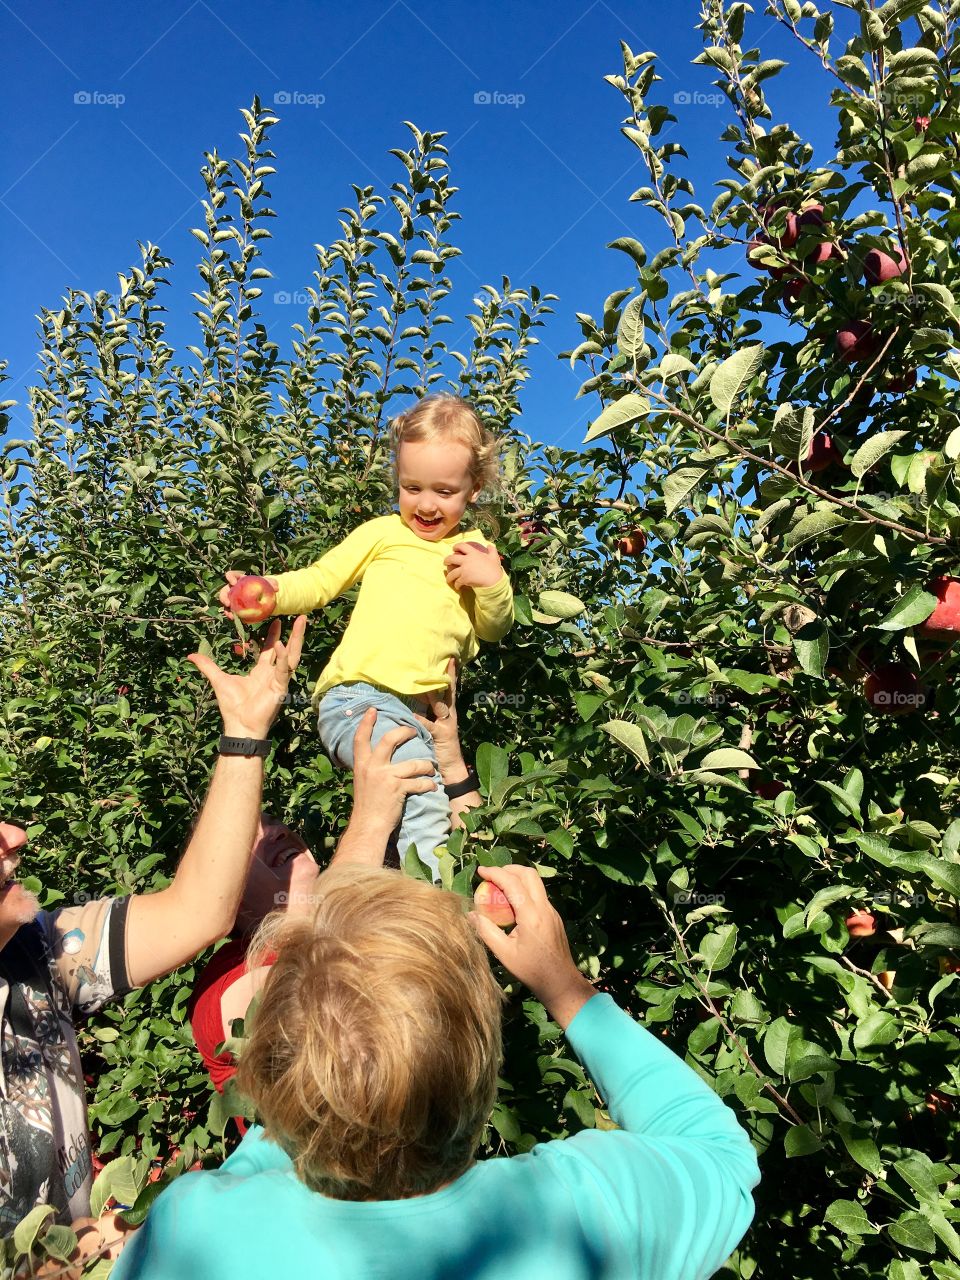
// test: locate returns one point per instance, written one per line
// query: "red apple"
(857, 341)
(252, 598)
(770, 789)
(821, 453)
(477, 545)
(904, 382)
(240, 649)
(533, 532)
(936, 1102)
(811, 217)
(879, 266)
(824, 251)
(892, 689)
(862, 924)
(493, 903)
(791, 229)
(792, 292)
(633, 544)
(946, 616)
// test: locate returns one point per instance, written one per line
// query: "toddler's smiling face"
(434, 487)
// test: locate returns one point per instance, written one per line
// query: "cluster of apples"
(856, 340)
(894, 688)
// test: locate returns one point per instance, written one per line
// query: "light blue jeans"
(426, 818)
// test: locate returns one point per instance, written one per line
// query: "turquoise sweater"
(665, 1196)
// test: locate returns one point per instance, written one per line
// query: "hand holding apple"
(535, 950)
(471, 564)
(494, 904)
(249, 597)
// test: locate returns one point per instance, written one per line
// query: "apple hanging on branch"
(893, 689)
(946, 615)
(632, 544)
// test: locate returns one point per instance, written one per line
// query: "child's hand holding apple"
(471, 564)
(248, 597)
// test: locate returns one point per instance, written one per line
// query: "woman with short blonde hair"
(376, 1046)
(373, 1063)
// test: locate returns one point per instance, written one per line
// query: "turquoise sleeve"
(679, 1172)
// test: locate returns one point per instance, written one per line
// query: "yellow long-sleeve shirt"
(408, 622)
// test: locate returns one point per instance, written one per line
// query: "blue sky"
(111, 106)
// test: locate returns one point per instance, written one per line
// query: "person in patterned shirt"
(60, 966)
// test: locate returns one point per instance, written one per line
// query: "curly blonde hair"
(449, 418)
(376, 1046)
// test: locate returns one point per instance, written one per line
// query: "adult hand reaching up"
(249, 704)
(536, 950)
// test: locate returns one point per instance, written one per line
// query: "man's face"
(17, 905)
(434, 487)
(283, 873)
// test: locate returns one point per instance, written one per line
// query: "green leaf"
(560, 604)
(849, 1218)
(728, 758)
(680, 484)
(776, 1043)
(27, 1229)
(845, 801)
(626, 244)
(861, 1148)
(913, 1231)
(120, 1179)
(717, 948)
(733, 375)
(628, 409)
(814, 525)
(630, 332)
(672, 364)
(913, 607)
(801, 1141)
(493, 764)
(59, 1242)
(792, 432)
(872, 450)
(880, 1028)
(812, 646)
(629, 736)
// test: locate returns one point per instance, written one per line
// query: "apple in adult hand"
(252, 598)
(879, 267)
(946, 616)
(493, 903)
(861, 924)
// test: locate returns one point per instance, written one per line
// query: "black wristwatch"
(470, 783)
(243, 746)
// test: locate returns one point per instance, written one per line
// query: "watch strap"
(470, 783)
(243, 746)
